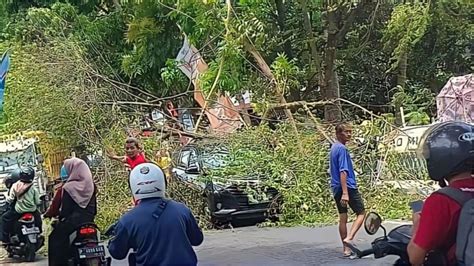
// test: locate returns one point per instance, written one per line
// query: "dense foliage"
(377, 45)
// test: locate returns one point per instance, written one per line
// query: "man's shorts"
(355, 201)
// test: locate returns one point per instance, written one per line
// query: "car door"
(187, 165)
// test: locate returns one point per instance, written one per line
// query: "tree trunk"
(401, 81)
(314, 61)
(294, 94)
(268, 73)
(340, 19)
(330, 88)
(281, 17)
(402, 70)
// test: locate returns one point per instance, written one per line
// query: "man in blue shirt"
(160, 231)
(344, 185)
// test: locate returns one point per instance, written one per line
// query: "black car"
(230, 200)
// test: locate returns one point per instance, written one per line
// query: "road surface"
(271, 246)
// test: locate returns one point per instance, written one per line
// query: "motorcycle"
(85, 246)
(395, 243)
(25, 238)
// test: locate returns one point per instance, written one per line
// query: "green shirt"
(28, 202)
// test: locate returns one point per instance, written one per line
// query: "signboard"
(409, 139)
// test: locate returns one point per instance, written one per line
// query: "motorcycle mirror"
(372, 223)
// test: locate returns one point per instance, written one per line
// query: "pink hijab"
(79, 185)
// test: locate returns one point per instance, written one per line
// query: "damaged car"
(229, 199)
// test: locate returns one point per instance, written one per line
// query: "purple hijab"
(79, 185)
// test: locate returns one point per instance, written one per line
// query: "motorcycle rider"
(78, 206)
(161, 231)
(448, 149)
(23, 197)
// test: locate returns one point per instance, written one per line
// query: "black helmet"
(12, 178)
(27, 174)
(448, 149)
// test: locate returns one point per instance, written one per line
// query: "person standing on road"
(344, 185)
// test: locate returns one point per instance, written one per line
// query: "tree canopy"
(379, 55)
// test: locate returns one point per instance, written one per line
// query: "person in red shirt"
(448, 149)
(133, 154)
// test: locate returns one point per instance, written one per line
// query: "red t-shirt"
(132, 162)
(439, 221)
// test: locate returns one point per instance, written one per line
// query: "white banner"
(190, 61)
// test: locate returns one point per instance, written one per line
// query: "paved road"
(271, 246)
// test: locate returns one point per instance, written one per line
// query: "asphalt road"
(271, 246)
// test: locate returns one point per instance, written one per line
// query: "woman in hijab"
(78, 206)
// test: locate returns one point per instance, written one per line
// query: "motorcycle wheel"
(30, 252)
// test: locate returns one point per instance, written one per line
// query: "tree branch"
(300, 103)
(127, 103)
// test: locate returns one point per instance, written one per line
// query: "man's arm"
(113, 156)
(117, 158)
(193, 231)
(119, 245)
(11, 195)
(345, 193)
(416, 253)
(343, 170)
(429, 229)
(53, 209)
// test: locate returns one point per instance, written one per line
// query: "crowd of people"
(163, 232)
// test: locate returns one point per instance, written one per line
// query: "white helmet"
(147, 180)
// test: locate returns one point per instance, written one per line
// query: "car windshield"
(214, 157)
(12, 160)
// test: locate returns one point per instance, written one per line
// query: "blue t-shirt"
(164, 241)
(340, 160)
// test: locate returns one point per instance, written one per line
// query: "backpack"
(465, 232)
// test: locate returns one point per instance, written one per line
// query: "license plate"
(30, 230)
(91, 252)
